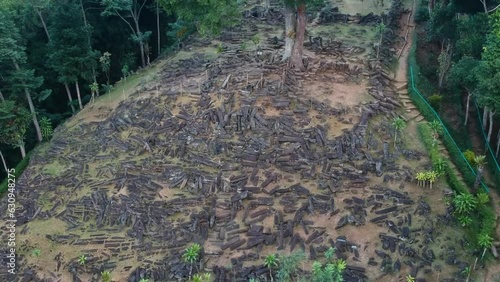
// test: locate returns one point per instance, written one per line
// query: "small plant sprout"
(436, 128)
(399, 124)
(465, 220)
(106, 276)
(219, 49)
(431, 177)
(36, 252)
(482, 198)
(82, 259)
(191, 255)
(439, 166)
(271, 261)
(485, 241)
(256, 39)
(410, 278)
(206, 277)
(421, 178)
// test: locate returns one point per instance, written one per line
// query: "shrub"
(422, 15)
(289, 265)
(482, 198)
(464, 203)
(470, 156)
(435, 101)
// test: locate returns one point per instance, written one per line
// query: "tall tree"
(295, 30)
(489, 74)
(129, 9)
(208, 16)
(13, 52)
(14, 121)
(71, 56)
(463, 74)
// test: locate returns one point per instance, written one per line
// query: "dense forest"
(57, 56)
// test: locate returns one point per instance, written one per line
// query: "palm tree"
(479, 161)
(399, 124)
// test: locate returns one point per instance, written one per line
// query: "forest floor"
(236, 152)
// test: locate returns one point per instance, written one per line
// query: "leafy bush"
(331, 271)
(470, 156)
(435, 101)
(422, 15)
(482, 198)
(464, 203)
(289, 265)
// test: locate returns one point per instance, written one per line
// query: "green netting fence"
(491, 160)
(456, 154)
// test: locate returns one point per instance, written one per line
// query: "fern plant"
(482, 198)
(191, 255)
(271, 261)
(106, 276)
(464, 203)
(46, 128)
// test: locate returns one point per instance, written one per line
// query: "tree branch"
(492, 10)
(129, 25)
(140, 9)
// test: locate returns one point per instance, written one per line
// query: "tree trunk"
(78, 94)
(380, 44)
(431, 6)
(4, 163)
(491, 127)
(43, 23)
(22, 149)
(89, 42)
(1, 97)
(478, 179)
(158, 26)
(484, 6)
(32, 108)
(141, 43)
(498, 144)
(485, 117)
(467, 107)
(69, 97)
(290, 22)
(298, 48)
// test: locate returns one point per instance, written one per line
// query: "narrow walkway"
(413, 117)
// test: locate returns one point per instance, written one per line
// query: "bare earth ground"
(136, 177)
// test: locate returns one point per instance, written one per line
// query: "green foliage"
(21, 166)
(82, 259)
(465, 220)
(207, 16)
(330, 272)
(410, 278)
(14, 121)
(482, 198)
(271, 261)
(179, 30)
(70, 55)
(471, 31)
(422, 14)
(144, 280)
(464, 203)
(192, 253)
(439, 166)
(483, 219)
(466, 271)
(470, 156)
(485, 240)
(106, 276)
(36, 252)
(46, 128)
(256, 39)
(206, 277)
(219, 49)
(289, 266)
(435, 100)
(442, 23)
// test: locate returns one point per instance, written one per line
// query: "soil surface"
(236, 152)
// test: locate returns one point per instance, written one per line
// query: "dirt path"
(413, 116)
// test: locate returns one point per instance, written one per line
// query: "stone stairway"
(412, 114)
